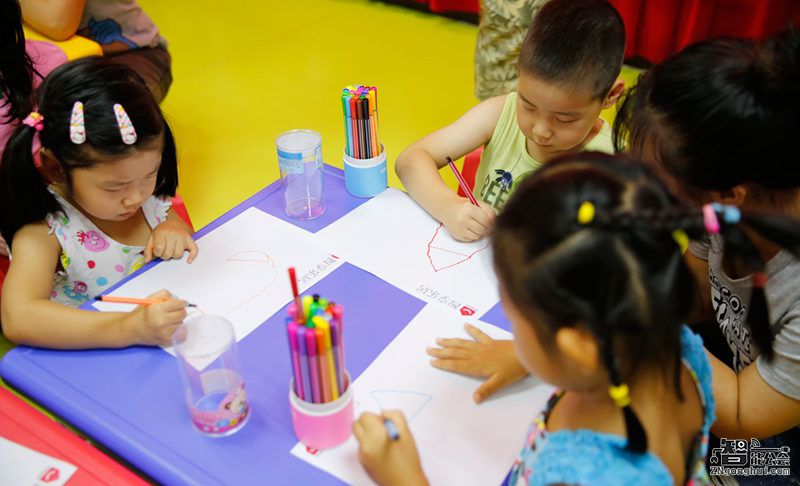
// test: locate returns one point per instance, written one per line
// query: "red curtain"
(658, 28)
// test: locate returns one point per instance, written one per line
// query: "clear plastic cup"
(300, 161)
(213, 383)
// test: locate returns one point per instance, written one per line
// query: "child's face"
(114, 191)
(553, 119)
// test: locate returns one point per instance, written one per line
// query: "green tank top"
(505, 160)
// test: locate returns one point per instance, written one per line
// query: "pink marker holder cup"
(322, 425)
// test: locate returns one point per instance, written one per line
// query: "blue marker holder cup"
(365, 177)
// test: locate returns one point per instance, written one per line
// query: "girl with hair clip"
(596, 289)
(719, 121)
(23, 64)
(96, 209)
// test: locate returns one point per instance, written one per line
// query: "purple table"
(131, 400)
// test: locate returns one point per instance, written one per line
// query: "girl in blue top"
(592, 279)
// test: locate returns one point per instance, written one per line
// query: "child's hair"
(16, 67)
(99, 84)
(575, 43)
(720, 113)
(590, 240)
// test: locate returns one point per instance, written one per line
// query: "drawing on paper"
(442, 258)
(410, 403)
(267, 268)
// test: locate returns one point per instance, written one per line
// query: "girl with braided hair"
(592, 277)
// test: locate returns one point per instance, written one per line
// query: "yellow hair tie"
(681, 239)
(620, 394)
(586, 212)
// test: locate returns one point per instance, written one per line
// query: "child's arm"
(57, 19)
(29, 316)
(747, 406)
(387, 461)
(495, 360)
(170, 239)
(418, 168)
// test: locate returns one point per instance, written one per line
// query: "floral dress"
(587, 457)
(91, 261)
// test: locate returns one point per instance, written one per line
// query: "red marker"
(293, 280)
(462, 182)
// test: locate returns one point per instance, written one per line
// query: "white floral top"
(92, 261)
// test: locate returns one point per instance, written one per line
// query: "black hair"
(99, 84)
(16, 67)
(621, 274)
(720, 113)
(577, 43)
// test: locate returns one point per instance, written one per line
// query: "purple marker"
(291, 329)
(313, 364)
(304, 371)
(337, 356)
(338, 314)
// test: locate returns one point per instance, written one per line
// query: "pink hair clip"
(77, 129)
(710, 219)
(126, 129)
(34, 120)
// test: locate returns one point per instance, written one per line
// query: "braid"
(637, 437)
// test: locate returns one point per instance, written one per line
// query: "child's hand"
(169, 240)
(388, 461)
(154, 325)
(466, 222)
(484, 357)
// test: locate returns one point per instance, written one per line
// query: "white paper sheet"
(240, 273)
(459, 442)
(394, 238)
(21, 465)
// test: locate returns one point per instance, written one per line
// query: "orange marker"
(324, 374)
(132, 300)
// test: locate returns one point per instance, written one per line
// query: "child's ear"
(613, 95)
(50, 167)
(580, 346)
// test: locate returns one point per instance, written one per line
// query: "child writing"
(96, 209)
(635, 401)
(568, 67)
(719, 119)
(23, 64)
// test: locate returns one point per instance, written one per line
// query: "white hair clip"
(77, 129)
(126, 129)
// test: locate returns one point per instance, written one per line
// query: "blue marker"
(391, 428)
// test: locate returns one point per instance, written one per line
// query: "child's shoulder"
(589, 457)
(36, 235)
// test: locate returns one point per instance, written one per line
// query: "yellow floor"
(246, 74)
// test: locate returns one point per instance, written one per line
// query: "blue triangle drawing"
(408, 402)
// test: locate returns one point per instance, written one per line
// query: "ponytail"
(16, 67)
(24, 197)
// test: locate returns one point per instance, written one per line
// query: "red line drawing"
(466, 256)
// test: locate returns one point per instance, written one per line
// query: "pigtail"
(168, 171)
(620, 393)
(16, 67)
(24, 197)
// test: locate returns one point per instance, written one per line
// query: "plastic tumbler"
(214, 388)
(300, 161)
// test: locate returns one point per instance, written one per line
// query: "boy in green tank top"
(569, 67)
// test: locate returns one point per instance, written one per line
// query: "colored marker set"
(360, 109)
(365, 172)
(317, 349)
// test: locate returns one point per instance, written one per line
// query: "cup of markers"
(320, 396)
